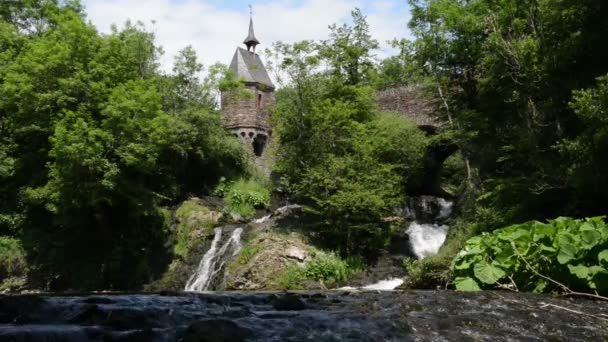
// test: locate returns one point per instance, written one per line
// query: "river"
(306, 316)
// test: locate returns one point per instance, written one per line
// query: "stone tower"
(247, 116)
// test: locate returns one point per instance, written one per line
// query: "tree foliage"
(94, 138)
(336, 152)
(508, 70)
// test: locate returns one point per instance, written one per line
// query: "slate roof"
(248, 66)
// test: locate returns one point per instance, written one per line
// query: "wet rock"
(19, 309)
(328, 316)
(145, 335)
(216, 330)
(120, 319)
(288, 302)
(97, 300)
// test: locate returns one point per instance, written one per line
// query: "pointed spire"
(251, 40)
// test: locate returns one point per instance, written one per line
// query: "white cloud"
(215, 32)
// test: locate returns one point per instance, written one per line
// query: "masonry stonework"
(245, 112)
(411, 102)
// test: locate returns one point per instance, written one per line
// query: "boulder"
(297, 253)
(289, 210)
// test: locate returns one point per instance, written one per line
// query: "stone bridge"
(427, 112)
(411, 102)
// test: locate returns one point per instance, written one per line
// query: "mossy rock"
(195, 223)
(191, 226)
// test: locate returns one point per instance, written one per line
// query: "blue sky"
(215, 28)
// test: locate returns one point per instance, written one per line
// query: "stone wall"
(411, 102)
(247, 111)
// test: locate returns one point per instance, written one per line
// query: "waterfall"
(426, 233)
(214, 260)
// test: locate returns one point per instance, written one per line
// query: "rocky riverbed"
(305, 316)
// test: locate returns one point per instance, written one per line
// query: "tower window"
(259, 100)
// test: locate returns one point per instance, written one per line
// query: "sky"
(215, 28)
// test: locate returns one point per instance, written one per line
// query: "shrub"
(13, 265)
(571, 252)
(245, 195)
(326, 268)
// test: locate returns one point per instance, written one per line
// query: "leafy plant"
(246, 195)
(13, 264)
(326, 268)
(562, 254)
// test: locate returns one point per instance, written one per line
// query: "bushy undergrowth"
(326, 268)
(13, 265)
(571, 252)
(244, 196)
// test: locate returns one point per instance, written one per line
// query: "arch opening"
(259, 143)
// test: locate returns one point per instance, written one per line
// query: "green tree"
(348, 162)
(348, 51)
(507, 70)
(88, 150)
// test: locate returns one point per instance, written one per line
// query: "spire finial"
(251, 41)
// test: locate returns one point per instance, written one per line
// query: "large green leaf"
(463, 264)
(603, 258)
(591, 237)
(466, 284)
(567, 252)
(580, 271)
(487, 273)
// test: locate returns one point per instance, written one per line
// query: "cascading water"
(426, 233)
(423, 237)
(214, 260)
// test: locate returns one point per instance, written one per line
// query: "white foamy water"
(426, 239)
(213, 261)
(383, 285)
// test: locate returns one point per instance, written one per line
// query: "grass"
(246, 195)
(326, 268)
(245, 255)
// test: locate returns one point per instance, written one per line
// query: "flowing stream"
(304, 316)
(213, 262)
(427, 232)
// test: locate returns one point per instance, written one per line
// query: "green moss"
(245, 255)
(192, 218)
(167, 219)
